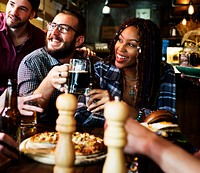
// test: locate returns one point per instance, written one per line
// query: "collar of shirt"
(3, 25)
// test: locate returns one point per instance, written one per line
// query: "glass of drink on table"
(29, 122)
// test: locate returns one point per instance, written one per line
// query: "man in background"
(18, 37)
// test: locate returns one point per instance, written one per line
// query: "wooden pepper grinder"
(116, 113)
(66, 125)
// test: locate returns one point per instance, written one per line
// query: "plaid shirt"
(109, 78)
(32, 71)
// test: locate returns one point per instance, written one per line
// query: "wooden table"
(27, 165)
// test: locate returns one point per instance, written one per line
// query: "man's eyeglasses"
(63, 28)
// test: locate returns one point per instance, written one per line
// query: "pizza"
(84, 143)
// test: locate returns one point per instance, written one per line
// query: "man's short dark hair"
(81, 26)
(35, 5)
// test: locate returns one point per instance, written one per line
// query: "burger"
(163, 123)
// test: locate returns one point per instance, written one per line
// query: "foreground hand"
(197, 154)
(86, 52)
(26, 109)
(195, 81)
(6, 140)
(138, 137)
(98, 99)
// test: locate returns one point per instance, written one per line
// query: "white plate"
(47, 156)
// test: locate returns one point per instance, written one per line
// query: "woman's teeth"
(121, 57)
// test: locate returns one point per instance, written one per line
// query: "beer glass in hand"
(79, 76)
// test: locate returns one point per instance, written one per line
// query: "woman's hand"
(26, 109)
(98, 99)
(8, 146)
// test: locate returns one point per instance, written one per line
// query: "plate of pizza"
(41, 147)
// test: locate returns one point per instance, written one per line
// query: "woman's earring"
(139, 49)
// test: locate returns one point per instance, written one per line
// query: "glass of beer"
(79, 76)
(29, 123)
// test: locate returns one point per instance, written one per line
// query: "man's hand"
(26, 109)
(57, 76)
(87, 52)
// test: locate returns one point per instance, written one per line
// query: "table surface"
(28, 165)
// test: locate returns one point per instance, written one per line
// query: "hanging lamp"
(184, 21)
(191, 9)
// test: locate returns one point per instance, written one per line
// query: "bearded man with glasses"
(44, 70)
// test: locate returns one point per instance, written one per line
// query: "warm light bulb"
(184, 21)
(191, 9)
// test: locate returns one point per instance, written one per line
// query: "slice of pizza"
(86, 144)
(42, 143)
(45, 137)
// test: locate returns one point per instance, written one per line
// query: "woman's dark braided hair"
(148, 61)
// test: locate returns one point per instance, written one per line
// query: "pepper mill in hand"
(116, 113)
(66, 125)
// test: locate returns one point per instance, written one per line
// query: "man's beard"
(18, 25)
(66, 50)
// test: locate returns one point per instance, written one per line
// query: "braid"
(148, 61)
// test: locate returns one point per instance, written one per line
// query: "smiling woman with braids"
(134, 72)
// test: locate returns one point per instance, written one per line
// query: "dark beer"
(78, 81)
